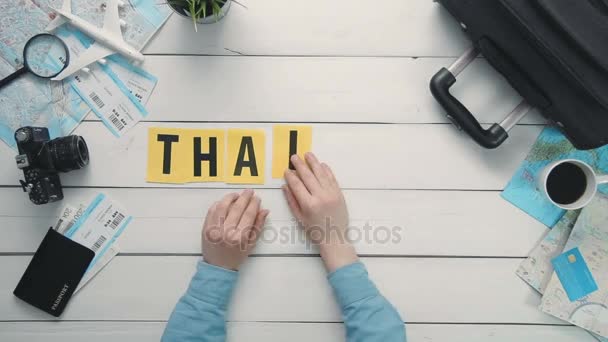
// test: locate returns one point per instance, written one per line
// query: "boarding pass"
(114, 91)
(139, 82)
(99, 226)
(103, 91)
(69, 216)
(102, 262)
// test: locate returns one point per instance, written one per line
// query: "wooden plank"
(337, 89)
(295, 332)
(362, 156)
(383, 222)
(317, 27)
(271, 289)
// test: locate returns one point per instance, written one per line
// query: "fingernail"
(295, 158)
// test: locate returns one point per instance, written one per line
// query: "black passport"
(54, 273)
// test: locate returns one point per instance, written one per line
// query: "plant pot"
(209, 19)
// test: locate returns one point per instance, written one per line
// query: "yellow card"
(205, 155)
(185, 155)
(165, 156)
(246, 156)
(287, 141)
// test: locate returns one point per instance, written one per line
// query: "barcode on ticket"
(116, 122)
(98, 243)
(117, 220)
(97, 100)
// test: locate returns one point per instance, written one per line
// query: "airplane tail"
(59, 19)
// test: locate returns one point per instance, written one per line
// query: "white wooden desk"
(358, 73)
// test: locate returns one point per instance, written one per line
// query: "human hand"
(316, 200)
(231, 229)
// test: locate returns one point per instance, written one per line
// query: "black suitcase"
(553, 52)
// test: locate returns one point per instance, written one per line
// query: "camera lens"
(69, 153)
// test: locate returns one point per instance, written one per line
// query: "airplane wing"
(59, 19)
(91, 55)
(111, 21)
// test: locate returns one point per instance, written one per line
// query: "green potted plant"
(201, 11)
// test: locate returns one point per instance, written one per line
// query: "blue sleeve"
(200, 313)
(367, 315)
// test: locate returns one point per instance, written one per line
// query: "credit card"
(574, 274)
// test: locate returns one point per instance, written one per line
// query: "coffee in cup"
(570, 184)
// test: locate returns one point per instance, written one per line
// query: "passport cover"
(54, 273)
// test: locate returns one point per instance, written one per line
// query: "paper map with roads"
(590, 236)
(33, 101)
(536, 270)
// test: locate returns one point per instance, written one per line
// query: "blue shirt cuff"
(212, 284)
(352, 284)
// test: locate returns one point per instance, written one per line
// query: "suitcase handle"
(460, 116)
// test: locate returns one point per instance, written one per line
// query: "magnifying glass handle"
(8, 79)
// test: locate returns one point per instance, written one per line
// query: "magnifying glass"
(45, 55)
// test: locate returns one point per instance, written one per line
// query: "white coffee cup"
(584, 191)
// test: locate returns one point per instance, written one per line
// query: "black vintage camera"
(41, 160)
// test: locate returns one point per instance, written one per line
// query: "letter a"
(246, 153)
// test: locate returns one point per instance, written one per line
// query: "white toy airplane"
(108, 40)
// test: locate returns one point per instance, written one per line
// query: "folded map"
(589, 237)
